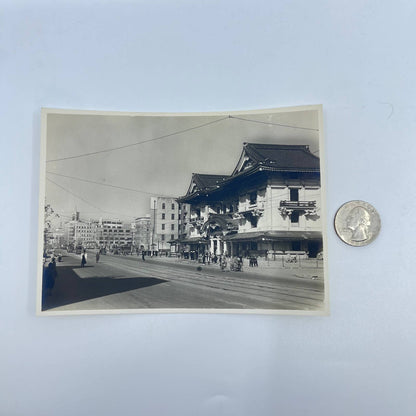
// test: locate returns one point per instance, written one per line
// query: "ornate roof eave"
(188, 198)
(259, 167)
(194, 198)
(255, 169)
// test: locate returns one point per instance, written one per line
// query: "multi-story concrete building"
(85, 233)
(164, 224)
(184, 220)
(69, 232)
(113, 233)
(81, 232)
(269, 206)
(142, 233)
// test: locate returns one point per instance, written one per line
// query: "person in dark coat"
(49, 275)
(83, 260)
(97, 257)
(143, 255)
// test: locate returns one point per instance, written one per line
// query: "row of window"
(116, 231)
(172, 226)
(172, 237)
(164, 206)
(172, 216)
(294, 219)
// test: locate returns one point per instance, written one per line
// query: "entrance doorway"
(313, 248)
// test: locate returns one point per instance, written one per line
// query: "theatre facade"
(269, 206)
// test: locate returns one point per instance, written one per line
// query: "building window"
(253, 197)
(172, 236)
(163, 226)
(172, 216)
(172, 226)
(163, 237)
(173, 206)
(163, 216)
(294, 217)
(163, 206)
(294, 194)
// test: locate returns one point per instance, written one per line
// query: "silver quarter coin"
(357, 223)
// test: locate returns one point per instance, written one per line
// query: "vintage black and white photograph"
(198, 212)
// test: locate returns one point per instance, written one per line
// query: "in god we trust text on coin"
(357, 223)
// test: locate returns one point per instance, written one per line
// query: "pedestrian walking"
(83, 260)
(223, 263)
(97, 257)
(143, 255)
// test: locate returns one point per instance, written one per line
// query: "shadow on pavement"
(69, 288)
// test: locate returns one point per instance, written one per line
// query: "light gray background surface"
(357, 59)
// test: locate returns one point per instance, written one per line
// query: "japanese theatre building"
(270, 205)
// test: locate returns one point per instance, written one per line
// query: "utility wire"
(178, 132)
(77, 196)
(111, 186)
(273, 124)
(89, 203)
(138, 143)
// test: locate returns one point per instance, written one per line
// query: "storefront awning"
(194, 240)
(275, 236)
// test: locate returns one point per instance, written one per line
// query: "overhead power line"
(137, 143)
(179, 132)
(87, 202)
(273, 124)
(110, 185)
(76, 196)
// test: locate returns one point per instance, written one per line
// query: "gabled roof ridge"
(205, 181)
(261, 153)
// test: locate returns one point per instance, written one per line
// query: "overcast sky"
(159, 167)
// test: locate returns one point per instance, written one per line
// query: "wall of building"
(164, 222)
(271, 218)
(142, 233)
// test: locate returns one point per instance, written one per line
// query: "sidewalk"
(306, 269)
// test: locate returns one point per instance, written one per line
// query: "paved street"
(126, 282)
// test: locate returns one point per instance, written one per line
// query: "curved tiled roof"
(279, 156)
(204, 181)
(256, 157)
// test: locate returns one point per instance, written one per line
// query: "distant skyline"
(77, 146)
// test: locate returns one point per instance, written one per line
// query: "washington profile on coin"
(357, 223)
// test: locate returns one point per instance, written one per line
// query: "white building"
(113, 234)
(164, 224)
(142, 233)
(269, 206)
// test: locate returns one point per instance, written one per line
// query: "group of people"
(252, 261)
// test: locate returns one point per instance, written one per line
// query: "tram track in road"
(294, 296)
